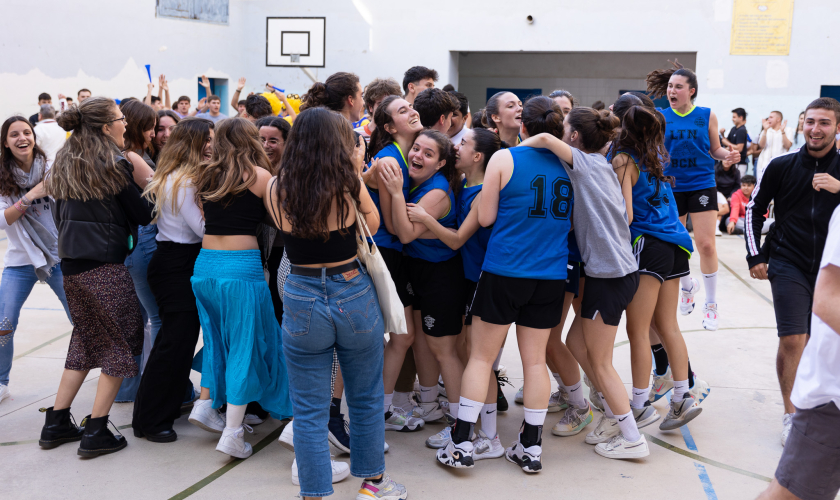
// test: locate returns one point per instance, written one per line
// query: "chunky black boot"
(60, 427)
(98, 439)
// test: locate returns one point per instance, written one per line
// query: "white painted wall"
(103, 45)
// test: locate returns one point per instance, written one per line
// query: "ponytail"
(542, 115)
(643, 134)
(331, 94)
(596, 128)
(657, 80)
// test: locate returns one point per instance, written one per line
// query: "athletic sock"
(576, 395)
(710, 282)
(690, 376)
(628, 426)
(488, 419)
(389, 398)
(403, 400)
(428, 394)
(335, 407)
(607, 410)
(685, 282)
(468, 413)
(235, 416)
(640, 396)
(453, 410)
(559, 380)
(660, 357)
(680, 388)
(498, 360)
(535, 417)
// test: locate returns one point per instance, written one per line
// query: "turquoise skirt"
(242, 358)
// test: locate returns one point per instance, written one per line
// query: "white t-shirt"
(188, 225)
(773, 147)
(50, 137)
(456, 139)
(818, 376)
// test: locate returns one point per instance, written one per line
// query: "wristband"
(28, 202)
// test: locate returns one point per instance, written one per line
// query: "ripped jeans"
(15, 287)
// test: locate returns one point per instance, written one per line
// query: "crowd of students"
(245, 230)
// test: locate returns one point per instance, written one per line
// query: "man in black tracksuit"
(805, 188)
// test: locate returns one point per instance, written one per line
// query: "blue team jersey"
(654, 209)
(530, 235)
(474, 249)
(574, 251)
(687, 142)
(382, 237)
(433, 250)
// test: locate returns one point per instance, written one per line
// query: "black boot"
(501, 400)
(60, 427)
(98, 439)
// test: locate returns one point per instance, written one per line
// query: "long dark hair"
(8, 186)
(446, 151)
(317, 168)
(140, 117)
(657, 80)
(641, 133)
(333, 93)
(160, 114)
(541, 114)
(486, 143)
(595, 127)
(380, 137)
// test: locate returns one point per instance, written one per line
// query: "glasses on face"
(120, 119)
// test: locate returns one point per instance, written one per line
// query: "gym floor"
(729, 452)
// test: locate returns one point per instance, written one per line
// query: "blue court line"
(701, 469)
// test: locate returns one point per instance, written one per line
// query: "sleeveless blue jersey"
(382, 237)
(574, 251)
(530, 235)
(687, 141)
(474, 249)
(433, 250)
(654, 210)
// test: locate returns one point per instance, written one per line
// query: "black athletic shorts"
(469, 293)
(702, 200)
(437, 292)
(793, 296)
(608, 297)
(808, 467)
(660, 259)
(395, 261)
(573, 275)
(533, 303)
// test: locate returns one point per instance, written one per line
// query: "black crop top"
(338, 247)
(232, 216)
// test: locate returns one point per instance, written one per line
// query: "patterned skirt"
(107, 325)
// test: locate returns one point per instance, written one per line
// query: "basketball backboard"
(296, 41)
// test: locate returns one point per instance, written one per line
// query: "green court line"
(742, 280)
(14, 443)
(42, 345)
(705, 460)
(233, 463)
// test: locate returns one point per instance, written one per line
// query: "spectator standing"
(804, 187)
(256, 107)
(182, 107)
(418, 79)
(773, 141)
(738, 138)
(798, 139)
(50, 136)
(82, 95)
(215, 103)
(43, 98)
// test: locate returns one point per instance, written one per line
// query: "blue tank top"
(382, 237)
(574, 251)
(433, 250)
(474, 249)
(687, 142)
(530, 235)
(654, 210)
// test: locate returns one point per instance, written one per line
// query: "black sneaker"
(338, 435)
(501, 400)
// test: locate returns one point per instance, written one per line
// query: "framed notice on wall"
(761, 27)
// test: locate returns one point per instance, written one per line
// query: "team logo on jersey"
(700, 122)
(409, 289)
(429, 321)
(704, 200)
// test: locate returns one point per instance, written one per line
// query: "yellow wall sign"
(761, 27)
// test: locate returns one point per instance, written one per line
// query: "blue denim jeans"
(138, 263)
(321, 314)
(15, 287)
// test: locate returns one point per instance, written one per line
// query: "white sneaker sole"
(507, 457)
(691, 414)
(604, 438)
(709, 327)
(204, 425)
(335, 442)
(285, 442)
(247, 452)
(636, 453)
(646, 422)
(484, 456)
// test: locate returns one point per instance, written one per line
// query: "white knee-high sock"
(469, 410)
(710, 282)
(535, 417)
(235, 416)
(488, 420)
(628, 426)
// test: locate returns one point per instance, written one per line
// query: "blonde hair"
(86, 167)
(182, 159)
(237, 151)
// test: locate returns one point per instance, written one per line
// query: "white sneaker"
(573, 421)
(397, 420)
(687, 297)
(502, 371)
(558, 401)
(428, 412)
(287, 437)
(4, 392)
(680, 413)
(710, 317)
(787, 423)
(439, 440)
(404, 400)
(484, 447)
(233, 442)
(662, 384)
(606, 429)
(619, 447)
(700, 391)
(252, 419)
(717, 231)
(340, 471)
(203, 415)
(520, 396)
(529, 459)
(645, 415)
